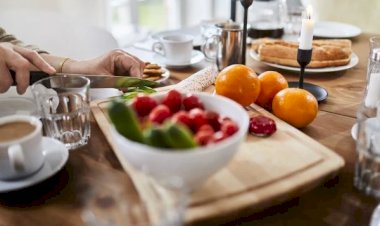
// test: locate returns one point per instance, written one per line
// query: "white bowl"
(193, 166)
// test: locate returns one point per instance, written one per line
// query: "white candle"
(306, 38)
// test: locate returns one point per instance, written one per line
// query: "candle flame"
(309, 11)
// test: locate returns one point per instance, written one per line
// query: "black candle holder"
(303, 59)
(233, 10)
(246, 4)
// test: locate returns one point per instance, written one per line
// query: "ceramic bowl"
(193, 166)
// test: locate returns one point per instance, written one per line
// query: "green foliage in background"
(152, 14)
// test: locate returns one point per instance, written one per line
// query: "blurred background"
(130, 21)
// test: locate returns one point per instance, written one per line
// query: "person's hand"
(116, 62)
(21, 61)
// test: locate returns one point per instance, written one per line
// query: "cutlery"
(98, 81)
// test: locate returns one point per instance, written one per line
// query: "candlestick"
(246, 4)
(303, 59)
(304, 55)
(233, 10)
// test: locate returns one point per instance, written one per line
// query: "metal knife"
(98, 81)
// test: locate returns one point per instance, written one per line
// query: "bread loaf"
(326, 53)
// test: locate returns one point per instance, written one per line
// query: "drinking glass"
(114, 205)
(294, 19)
(367, 169)
(63, 103)
(374, 46)
(375, 218)
(374, 43)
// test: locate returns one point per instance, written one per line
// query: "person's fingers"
(22, 74)
(34, 58)
(5, 78)
(124, 62)
(22, 79)
(142, 63)
(136, 66)
(21, 67)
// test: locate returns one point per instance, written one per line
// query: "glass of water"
(367, 170)
(63, 103)
(112, 204)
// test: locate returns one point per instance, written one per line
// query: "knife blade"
(98, 81)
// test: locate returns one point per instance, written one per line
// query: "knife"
(97, 81)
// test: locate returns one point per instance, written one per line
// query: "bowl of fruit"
(178, 135)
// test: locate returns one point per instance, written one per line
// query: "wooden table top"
(59, 200)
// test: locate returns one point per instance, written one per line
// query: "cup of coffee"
(175, 48)
(20, 146)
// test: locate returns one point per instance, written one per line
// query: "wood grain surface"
(61, 199)
(264, 171)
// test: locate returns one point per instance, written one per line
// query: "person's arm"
(16, 56)
(115, 62)
(21, 58)
(6, 37)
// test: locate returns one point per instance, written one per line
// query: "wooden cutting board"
(264, 172)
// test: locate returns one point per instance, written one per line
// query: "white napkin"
(199, 81)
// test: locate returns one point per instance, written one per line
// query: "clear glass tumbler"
(63, 103)
(110, 204)
(367, 169)
(374, 46)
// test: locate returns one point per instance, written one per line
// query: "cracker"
(152, 66)
(153, 71)
(150, 77)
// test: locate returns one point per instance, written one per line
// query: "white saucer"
(196, 57)
(56, 155)
(331, 29)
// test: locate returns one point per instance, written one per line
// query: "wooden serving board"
(264, 172)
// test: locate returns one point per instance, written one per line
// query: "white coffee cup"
(176, 48)
(20, 146)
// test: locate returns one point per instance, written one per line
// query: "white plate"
(196, 57)
(165, 76)
(330, 29)
(353, 62)
(56, 155)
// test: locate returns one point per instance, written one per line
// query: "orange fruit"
(295, 106)
(271, 82)
(239, 83)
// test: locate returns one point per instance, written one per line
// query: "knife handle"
(34, 76)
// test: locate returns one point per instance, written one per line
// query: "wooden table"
(60, 199)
